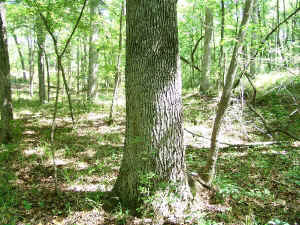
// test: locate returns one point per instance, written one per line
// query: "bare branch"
(189, 63)
(195, 48)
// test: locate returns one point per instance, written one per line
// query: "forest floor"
(257, 184)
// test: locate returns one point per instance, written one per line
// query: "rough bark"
(118, 72)
(209, 171)
(40, 56)
(206, 58)
(20, 55)
(154, 133)
(5, 89)
(93, 55)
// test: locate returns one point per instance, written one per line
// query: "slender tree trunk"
(41, 74)
(209, 171)
(154, 134)
(60, 55)
(30, 65)
(118, 72)
(253, 41)
(78, 68)
(93, 55)
(48, 76)
(206, 58)
(221, 59)
(279, 45)
(84, 68)
(5, 89)
(20, 55)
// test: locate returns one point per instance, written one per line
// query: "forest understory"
(258, 176)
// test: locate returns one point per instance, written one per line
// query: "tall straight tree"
(154, 132)
(93, 56)
(40, 33)
(5, 89)
(20, 55)
(206, 58)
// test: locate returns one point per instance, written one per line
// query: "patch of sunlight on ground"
(89, 152)
(45, 122)
(88, 187)
(34, 151)
(227, 135)
(95, 116)
(296, 144)
(241, 154)
(82, 165)
(267, 80)
(59, 162)
(24, 112)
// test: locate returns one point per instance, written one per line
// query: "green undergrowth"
(256, 184)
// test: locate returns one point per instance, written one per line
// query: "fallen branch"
(230, 145)
(270, 130)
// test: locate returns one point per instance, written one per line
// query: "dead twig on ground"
(264, 143)
(270, 130)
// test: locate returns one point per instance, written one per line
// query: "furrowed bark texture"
(154, 134)
(5, 89)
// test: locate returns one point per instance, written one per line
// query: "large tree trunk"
(41, 41)
(93, 55)
(206, 57)
(154, 152)
(20, 55)
(5, 89)
(209, 171)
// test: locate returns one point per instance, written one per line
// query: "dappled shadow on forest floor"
(87, 161)
(255, 184)
(258, 183)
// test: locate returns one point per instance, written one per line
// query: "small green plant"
(27, 205)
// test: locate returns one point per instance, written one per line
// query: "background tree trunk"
(93, 55)
(40, 56)
(118, 72)
(222, 58)
(30, 63)
(154, 133)
(5, 89)
(206, 58)
(20, 55)
(253, 41)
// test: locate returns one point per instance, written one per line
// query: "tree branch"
(189, 63)
(270, 130)
(195, 48)
(263, 42)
